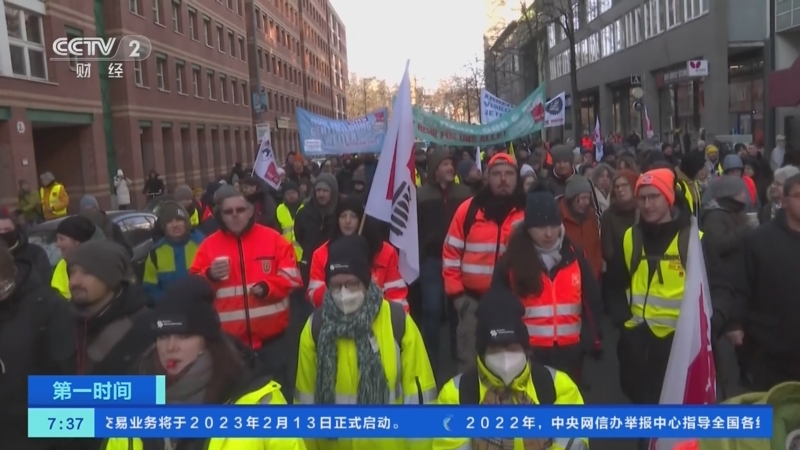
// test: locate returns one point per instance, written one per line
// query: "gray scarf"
(373, 388)
(552, 256)
(190, 387)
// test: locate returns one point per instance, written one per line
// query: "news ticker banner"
(666, 421)
(89, 391)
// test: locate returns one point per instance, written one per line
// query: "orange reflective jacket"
(468, 261)
(385, 273)
(554, 316)
(261, 254)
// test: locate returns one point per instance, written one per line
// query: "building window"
(157, 11)
(244, 93)
(693, 9)
(138, 75)
(673, 19)
(619, 33)
(176, 17)
(73, 60)
(160, 73)
(234, 94)
(551, 35)
(196, 81)
(223, 89)
(653, 18)
(207, 30)
(193, 24)
(592, 10)
(26, 43)
(241, 49)
(607, 40)
(135, 6)
(230, 4)
(210, 84)
(258, 19)
(220, 38)
(179, 76)
(605, 5)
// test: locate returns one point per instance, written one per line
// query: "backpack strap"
(469, 219)
(396, 310)
(113, 333)
(154, 258)
(543, 378)
(683, 245)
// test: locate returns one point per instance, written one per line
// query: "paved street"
(600, 375)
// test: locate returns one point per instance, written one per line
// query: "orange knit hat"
(661, 179)
(502, 158)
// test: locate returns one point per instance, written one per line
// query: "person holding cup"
(253, 270)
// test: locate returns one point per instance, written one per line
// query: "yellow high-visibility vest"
(60, 280)
(418, 179)
(55, 191)
(656, 302)
(286, 222)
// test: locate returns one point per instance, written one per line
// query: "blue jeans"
(433, 299)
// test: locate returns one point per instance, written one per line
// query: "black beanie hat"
(499, 320)
(170, 211)
(692, 163)
(350, 255)
(76, 227)
(541, 209)
(350, 203)
(187, 308)
(289, 185)
(108, 261)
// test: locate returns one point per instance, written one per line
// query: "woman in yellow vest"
(202, 366)
(54, 197)
(645, 283)
(286, 212)
(360, 349)
(504, 375)
(70, 234)
(185, 197)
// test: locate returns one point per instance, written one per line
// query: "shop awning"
(784, 87)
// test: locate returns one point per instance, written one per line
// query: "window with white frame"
(244, 93)
(607, 40)
(594, 47)
(192, 24)
(73, 60)
(210, 83)
(161, 72)
(242, 51)
(576, 16)
(138, 75)
(619, 35)
(26, 43)
(633, 30)
(551, 35)
(652, 19)
(176, 16)
(179, 65)
(592, 10)
(207, 31)
(220, 38)
(693, 9)
(234, 94)
(196, 81)
(565, 64)
(157, 11)
(135, 6)
(605, 5)
(223, 88)
(673, 16)
(231, 44)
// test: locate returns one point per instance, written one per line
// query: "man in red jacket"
(253, 270)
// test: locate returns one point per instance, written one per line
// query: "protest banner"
(523, 120)
(493, 107)
(320, 135)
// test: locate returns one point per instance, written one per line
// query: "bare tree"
(367, 94)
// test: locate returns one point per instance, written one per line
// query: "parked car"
(137, 227)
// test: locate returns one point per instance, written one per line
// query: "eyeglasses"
(351, 285)
(232, 211)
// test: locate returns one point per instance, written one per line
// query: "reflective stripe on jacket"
(60, 280)
(52, 196)
(567, 393)
(656, 301)
(259, 255)
(286, 222)
(554, 316)
(269, 394)
(174, 261)
(385, 273)
(408, 374)
(468, 261)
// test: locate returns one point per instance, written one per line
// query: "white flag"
(265, 166)
(691, 377)
(598, 141)
(393, 194)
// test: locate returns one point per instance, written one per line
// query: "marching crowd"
(524, 254)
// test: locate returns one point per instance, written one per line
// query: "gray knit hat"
(182, 193)
(106, 260)
(562, 153)
(577, 185)
(727, 186)
(732, 162)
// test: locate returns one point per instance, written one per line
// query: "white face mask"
(348, 301)
(506, 364)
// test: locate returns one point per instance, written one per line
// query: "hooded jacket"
(436, 207)
(313, 224)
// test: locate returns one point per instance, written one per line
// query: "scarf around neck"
(552, 256)
(190, 386)
(373, 388)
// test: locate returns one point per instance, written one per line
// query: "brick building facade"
(185, 111)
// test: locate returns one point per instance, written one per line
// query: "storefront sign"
(283, 122)
(261, 130)
(697, 68)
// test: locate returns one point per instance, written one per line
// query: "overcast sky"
(383, 34)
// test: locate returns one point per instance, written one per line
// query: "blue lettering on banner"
(87, 391)
(320, 135)
(665, 421)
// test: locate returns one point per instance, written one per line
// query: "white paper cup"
(226, 260)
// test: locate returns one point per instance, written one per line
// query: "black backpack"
(636, 253)
(469, 218)
(542, 377)
(398, 323)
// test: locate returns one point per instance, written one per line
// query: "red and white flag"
(691, 378)
(648, 127)
(598, 141)
(393, 194)
(265, 166)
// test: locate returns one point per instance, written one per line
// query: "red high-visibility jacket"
(468, 261)
(260, 255)
(385, 273)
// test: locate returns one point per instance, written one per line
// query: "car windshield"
(47, 240)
